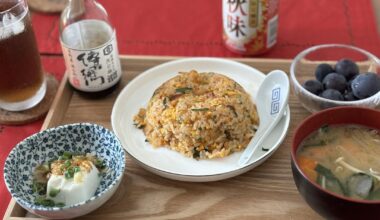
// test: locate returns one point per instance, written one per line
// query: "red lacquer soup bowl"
(328, 204)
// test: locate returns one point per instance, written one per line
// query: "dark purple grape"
(332, 94)
(349, 83)
(335, 81)
(365, 85)
(313, 86)
(349, 96)
(322, 70)
(346, 68)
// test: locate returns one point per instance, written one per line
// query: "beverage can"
(250, 26)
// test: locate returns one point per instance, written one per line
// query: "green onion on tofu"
(69, 173)
(65, 156)
(44, 202)
(67, 163)
(39, 187)
(99, 164)
(76, 169)
(60, 204)
(54, 192)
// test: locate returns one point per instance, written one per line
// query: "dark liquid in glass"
(21, 74)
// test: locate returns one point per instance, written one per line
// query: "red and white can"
(250, 26)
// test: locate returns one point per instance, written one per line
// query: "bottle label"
(93, 70)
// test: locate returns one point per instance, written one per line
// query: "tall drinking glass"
(22, 82)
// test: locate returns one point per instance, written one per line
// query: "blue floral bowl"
(49, 144)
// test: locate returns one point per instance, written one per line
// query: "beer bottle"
(89, 47)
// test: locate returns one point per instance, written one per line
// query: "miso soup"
(343, 159)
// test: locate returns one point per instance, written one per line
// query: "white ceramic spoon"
(271, 101)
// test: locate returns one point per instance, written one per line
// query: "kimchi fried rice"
(201, 115)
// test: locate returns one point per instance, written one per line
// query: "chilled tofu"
(69, 191)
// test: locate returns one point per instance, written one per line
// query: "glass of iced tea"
(22, 82)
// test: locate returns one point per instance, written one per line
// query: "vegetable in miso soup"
(344, 160)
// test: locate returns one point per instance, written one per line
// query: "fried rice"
(200, 115)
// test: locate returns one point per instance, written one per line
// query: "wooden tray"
(266, 192)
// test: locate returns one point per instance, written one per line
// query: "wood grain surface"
(35, 113)
(266, 192)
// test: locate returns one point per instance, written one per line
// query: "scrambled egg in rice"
(201, 115)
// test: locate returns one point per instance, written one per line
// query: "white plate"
(171, 164)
